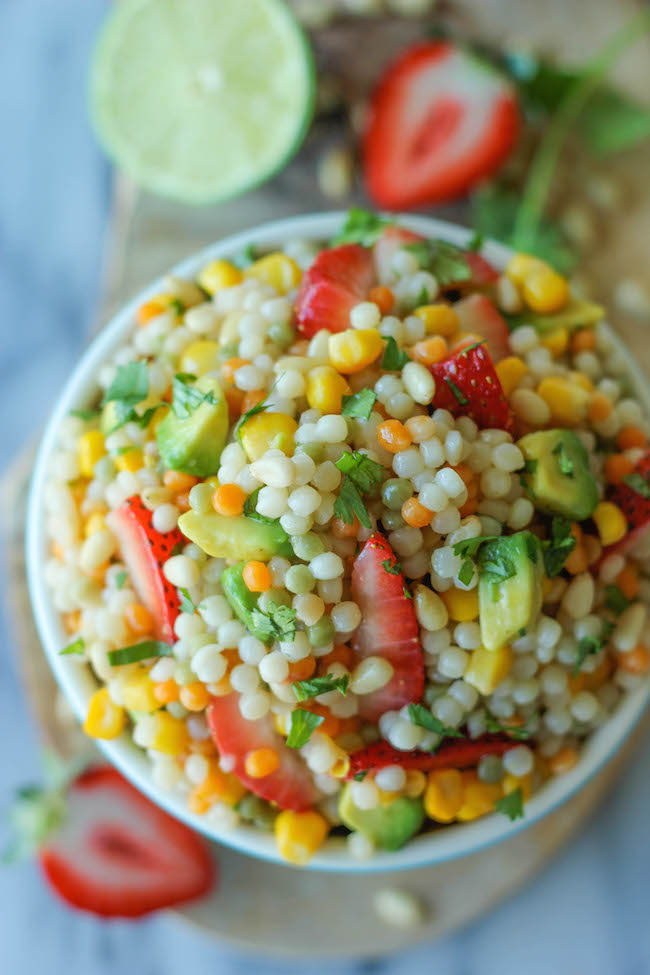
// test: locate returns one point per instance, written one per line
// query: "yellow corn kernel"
(556, 341)
(95, 523)
(138, 692)
(443, 795)
(268, 430)
(104, 718)
(325, 389)
(219, 274)
(170, 735)
(545, 291)
(567, 402)
(610, 522)
(462, 604)
(130, 460)
(90, 449)
(200, 357)
(521, 265)
(511, 782)
(438, 319)
(280, 724)
(278, 270)
(416, 782)
(511, 371)
(354, 349)
(478, 797)
(299, 834)
(487, 668)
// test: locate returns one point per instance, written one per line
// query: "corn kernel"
(219, 274)
(581, 380)
(521, 265)
(610, 522)
(462, 604)
(545, 291)
(438, 319)
(170, 735)
(443, 795)
(138, 693)
(567, 402)
(416, 782)
(130, 460)
(354, 349)
(511, 371)
(268, 430)
(556, 341)
(200, 357)
(325, 389)
(299, 834)
(278, 270)
(90, 449)
(104, 718)
(95, 523)
(478, 797)
(487, 668)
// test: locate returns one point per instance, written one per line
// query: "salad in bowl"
(351, 532)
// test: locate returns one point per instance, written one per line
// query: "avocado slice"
(390, 826)
(577, 314)
(509, 586)
(193, 444)
(235, 538)
(241, 599)
(557, 476)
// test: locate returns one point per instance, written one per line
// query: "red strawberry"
(338, 280)
(144, 551)
(392, 239)
(119, 855)
(467, 385)
(291, 786)
(634, 506)
(454, 753)
(482, 271)
(479, 316)
(388, 628)
(441, 121)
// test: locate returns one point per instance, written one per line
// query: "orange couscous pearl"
(630, 437)
(256, 576)
(138, 618)
(600, 408)
(178, 482)
(617, 466)
(341, 529)
(261, 762)
(166, 691)
(228, 499)
(429, 351)
(636, 661)
(383, 297)
(393, 436)
(563, 760)
(301, 669)
(583, 340)
(251, 399)
(628, 582)
(415, 514)
(194, 697)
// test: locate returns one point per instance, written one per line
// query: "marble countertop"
(585, 915)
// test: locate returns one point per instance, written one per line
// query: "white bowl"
(78, 682)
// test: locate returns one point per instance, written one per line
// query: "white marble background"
(587, 914)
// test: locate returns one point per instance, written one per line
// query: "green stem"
(540, 177)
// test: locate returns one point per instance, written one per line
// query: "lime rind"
(155, 129)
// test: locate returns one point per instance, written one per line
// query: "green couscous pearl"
(313, 450)
(255, 810)
(490, 768)
(299, 579)
(200, 498)
(395, 491)
(307, 546)
(392, 520)
(282, 333)
(322, 632)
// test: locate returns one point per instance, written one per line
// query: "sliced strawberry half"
(467, 385)
(483, 272)
(457, 753)
(635, 507)
(479, 316)
(388, 628)
(144, 551)
(441, 121)
(291, 786)
(338, 280)
(118, 855)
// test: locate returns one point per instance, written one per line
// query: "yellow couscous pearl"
(200, 357)
(567, 402)
(610, 522)
(556, 342)
(130, 460)
(443, 795)
(169, 734)
(299, 834)
(511, 371)
(545, 291)
(325, 389)
(439, 319)
(487, 668)
(462, 604)
(95, 523)
(268, 430)
(219, 274)
(90, 449)
(278, 270)
(138, 693)
(353, 350)
(104, 718)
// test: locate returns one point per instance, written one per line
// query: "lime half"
(201, 99)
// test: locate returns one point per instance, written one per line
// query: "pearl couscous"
(353, 537)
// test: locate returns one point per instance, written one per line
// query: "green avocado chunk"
(237, 538)
(389, 827)
(193, 444)
(509, 587)
(557, 476)
(242, 600)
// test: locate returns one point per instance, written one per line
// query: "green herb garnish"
(76, 647)
(260, 407)
(303, 724)
(393, 568)
(637, 483)
(560, 546)
(511, 805)
(394, 358)
(496, 727)
(459, 396)
(120, 579)
(139, 651)
(361, 227)
(88, 414)
(278, 623)
(615, 600)
(359, 404)
(422, 717)
(589, 645)
(186, 604)
(130, 387)
(187, 398)
(304, 689)
(446, 262)
(361, 475)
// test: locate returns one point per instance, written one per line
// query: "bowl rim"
(77, 682)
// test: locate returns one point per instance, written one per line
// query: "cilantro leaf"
(186, 604)
(250, 510)
(76, 647)
(460, 397)
(446, 262)
(496, 727)
(394, 358)
(423, 718)
(560, 546)
(187, 398)
(303, 724)
(564, 459)
(421, 251)
(88, 414)
(470, 546)
(246, 257)
(615, 600)
(511, 805)
(611, 122)
(361, 227)
(260, 407)
(466, 573)
(393, 568)
(177, 305)
(589, 645)
(139, 651)
(278, 623)
(304, 689)
(637, 483)
(120, 579)
(130, 386)
(359, 404)
(349, 504)
(362, 470)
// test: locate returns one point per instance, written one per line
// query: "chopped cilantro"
(560, 546)
(187, 606)
(531, 465)
(447, 262)
(615, 600)
(304, 689)
(496, 727)
(76, 647)
(474, 345)
(246, 257)
(187, 398)
(278, 623)
(589, 645)
(349, 504)
(361, 227)
(466, 573)
(360, 776)
(394, 358)
(458, 394)
(254, 410)
(407, 593)
(511, 805)
(421, 251)
(423, 718)
(177, 305)
(130, 387)
(303, 724)
(564, 461)
(476, 241)
(361, 475)
(470, 546)
(637, 483)
(139, 651)
(497, 566)
(359, 404)
(120, 579)
(88, 414)
(393, 568)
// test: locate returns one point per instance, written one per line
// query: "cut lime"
(201, 99)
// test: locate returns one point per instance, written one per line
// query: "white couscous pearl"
(391, 778)
(304, 500)
(251, 650)
(365, 315)
(244, 678)
(419, 383)
(579, 596)
(274, 469)
(215, 610)
(309, 608)
(272, 501)
(181, 571)
(408, 463)
(331, 429)
(96, 550)
(507, 457)
(450, 482)
(433, 497)
(518, 761)
(230, 633)
(360, 846)
(370, 675)
(404, 734)
(164, 517)
(274, 668)
(448, 710)
(365, 795)
(254, 706)
(326, 566)
(584, 706)
(209, 664)
(345, 617)
(453, 662)
(196, 768)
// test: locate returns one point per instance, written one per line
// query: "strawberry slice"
(144, 551)
(338, 280)
(118, 855)
(388, 628)
(479, 316)
(291, 786)
(455, 753)
(441, 121)
(483, 272)
(467, 385)
(634, 506)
